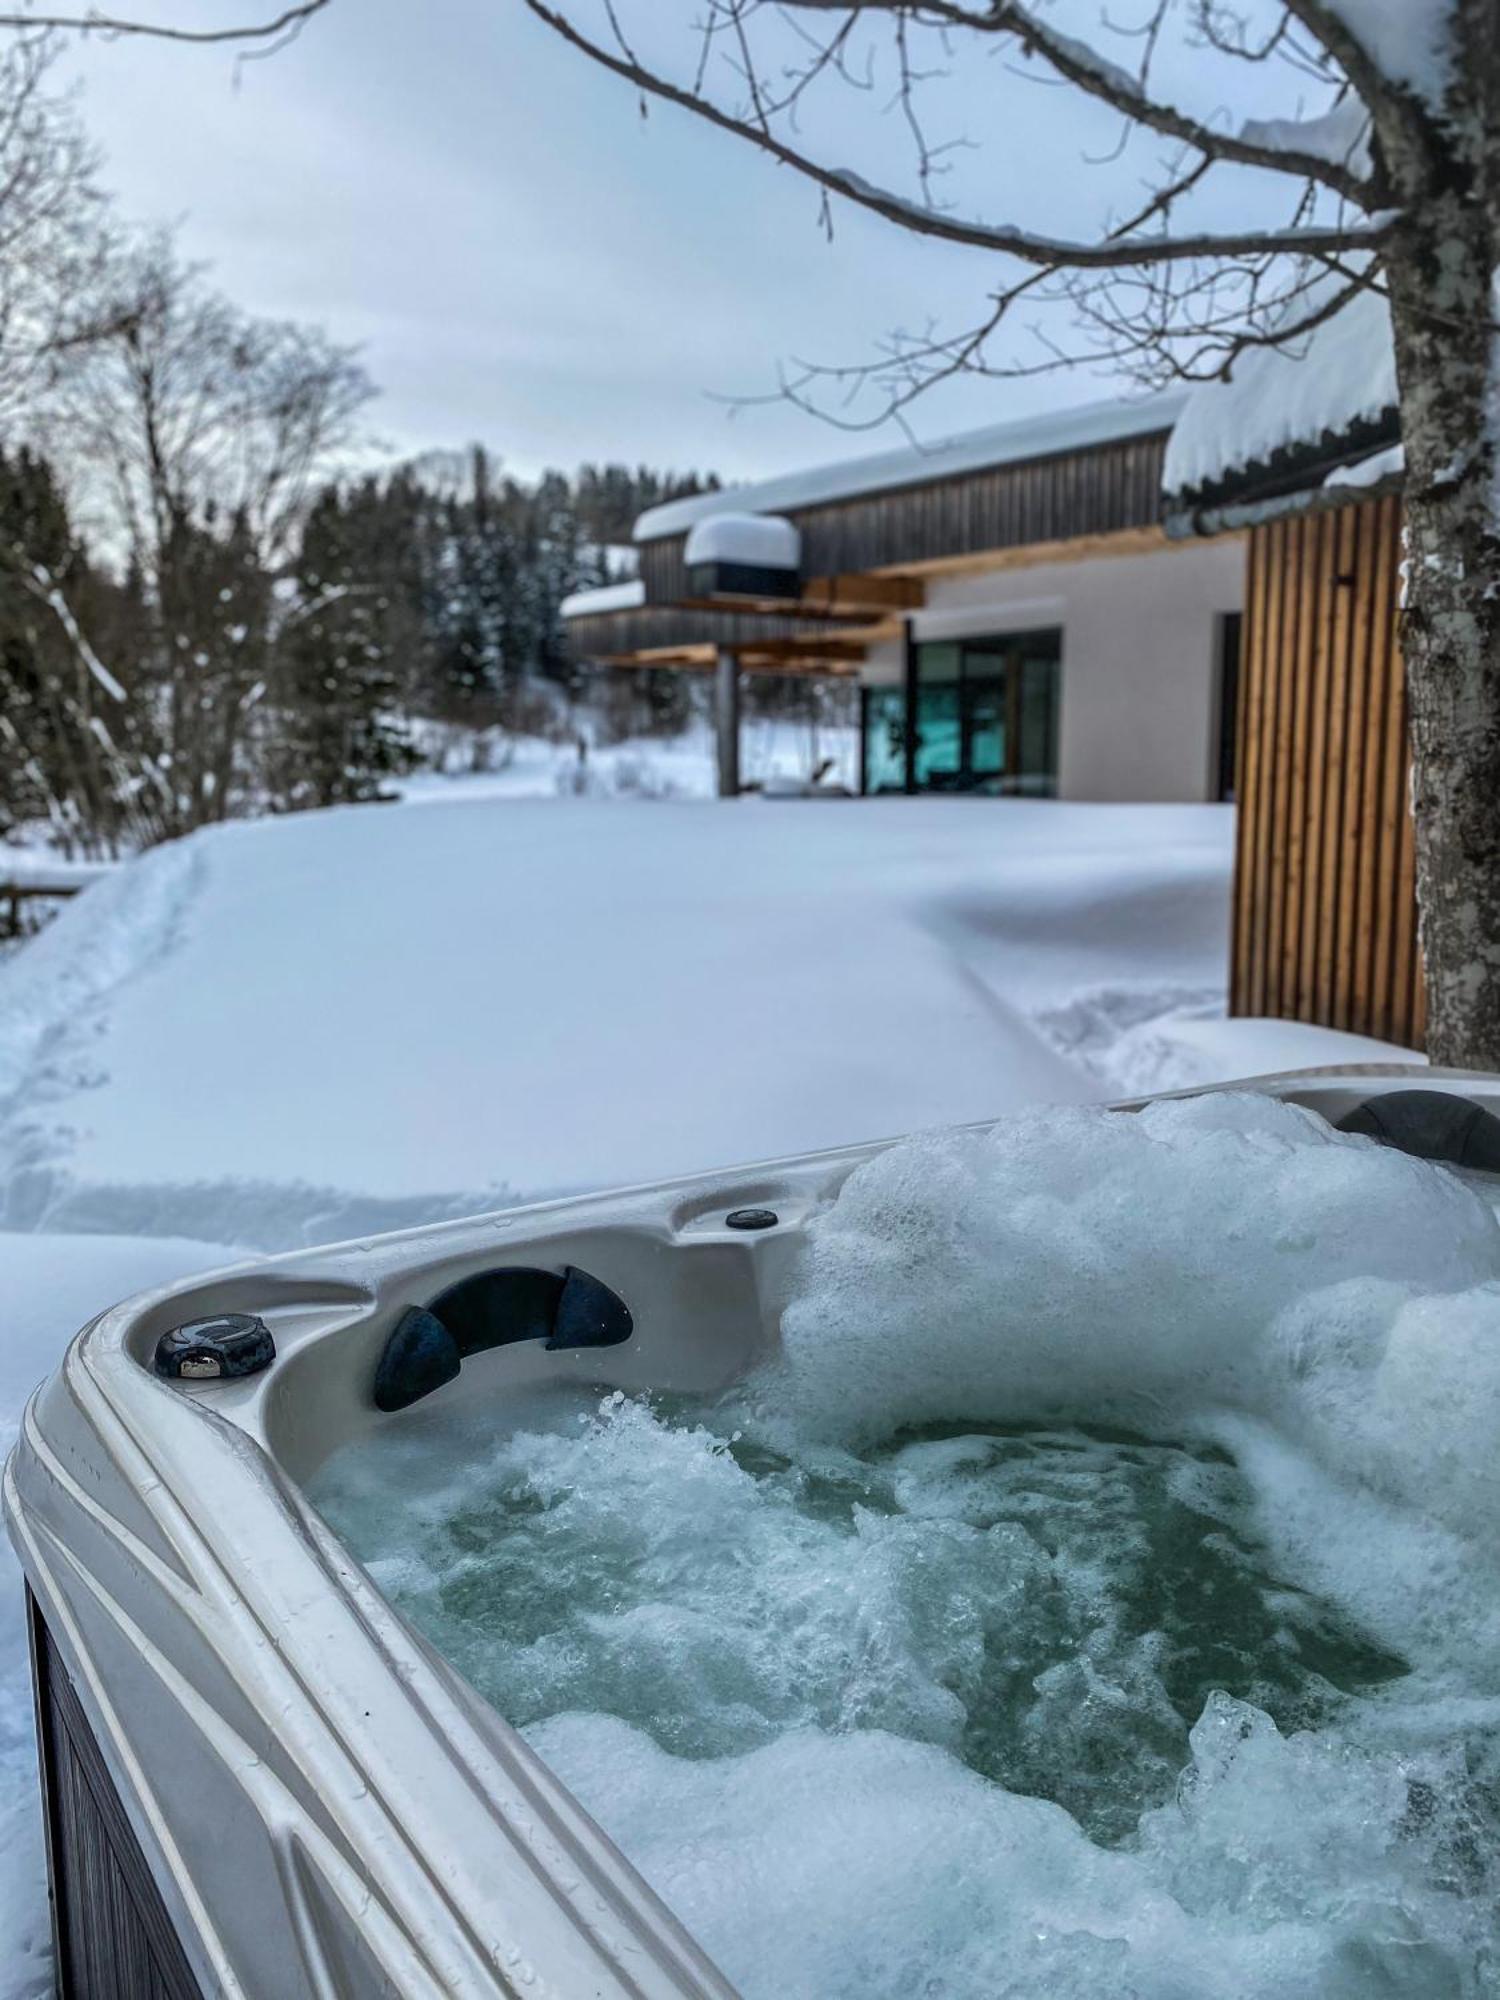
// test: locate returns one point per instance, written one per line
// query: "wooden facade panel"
(1325, 919)
(1094, 492)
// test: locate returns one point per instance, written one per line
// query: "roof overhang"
(1046, 434)
(1361, 462)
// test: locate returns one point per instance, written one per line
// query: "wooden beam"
(839, 596)
(1069, 548)
(695, 655)
(846, 596)
(802, 645)
(753, 660)
(813, 664)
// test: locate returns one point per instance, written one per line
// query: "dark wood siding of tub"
(1098, 491)
(1325, 915)
(113, 1936)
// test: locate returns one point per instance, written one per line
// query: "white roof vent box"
(744, 555)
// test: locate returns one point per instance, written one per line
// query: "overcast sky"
(522, 259)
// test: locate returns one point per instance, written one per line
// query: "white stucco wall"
(1140, 659)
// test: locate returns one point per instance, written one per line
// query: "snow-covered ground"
(679, 767)
(288, 1031)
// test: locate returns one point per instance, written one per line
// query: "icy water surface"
(1053, 1606)
(1100, 1599)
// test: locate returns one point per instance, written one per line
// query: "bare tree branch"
(1056, 253)
(1099, 78)
(91, 21)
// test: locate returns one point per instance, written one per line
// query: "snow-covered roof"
(917, 465)
(1331, 384)
(757, 541)
(626, 596)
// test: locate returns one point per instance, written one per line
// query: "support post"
(909, 681)
(727, 721)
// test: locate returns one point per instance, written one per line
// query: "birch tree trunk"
(1440, 275)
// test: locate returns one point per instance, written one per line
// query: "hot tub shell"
(259, 1780)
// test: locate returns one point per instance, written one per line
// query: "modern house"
(1185, 598)
(1017, 617)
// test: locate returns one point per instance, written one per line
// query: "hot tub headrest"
(491, 1309)
(1431, 1125)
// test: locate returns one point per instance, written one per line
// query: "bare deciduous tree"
(1385, 148)
(53, 222)
(195, 434)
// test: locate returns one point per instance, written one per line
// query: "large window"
(983, 717)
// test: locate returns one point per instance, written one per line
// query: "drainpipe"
(727, 721)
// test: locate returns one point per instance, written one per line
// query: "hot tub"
(260, 1779)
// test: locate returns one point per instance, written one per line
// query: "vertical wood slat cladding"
(1325, 916)
(1090, 492)
(114, 1937)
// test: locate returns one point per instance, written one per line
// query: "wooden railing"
(14, 896)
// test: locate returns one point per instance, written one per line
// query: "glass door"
(1009, 693)
(985, 730)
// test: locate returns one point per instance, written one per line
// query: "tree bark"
(1439, 272)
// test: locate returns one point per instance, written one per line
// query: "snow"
(58, 604)
(1110, 74)
(627, 596)
(1194, 1044)
(328, 1023)
(915, 465)
(1409, 41)
(760, 541)
(1340, 135)
(1371, 471)
(264, 1030)
(40, 868)
(1341, 373)
(652, 767)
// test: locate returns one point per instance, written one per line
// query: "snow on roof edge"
(1072, 429)
(626, 596)
(1282, 404)
(763, 541)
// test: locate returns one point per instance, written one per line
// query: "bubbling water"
(1098, 1596)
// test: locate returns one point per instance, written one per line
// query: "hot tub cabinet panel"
(113, 1937)
(261, 1782)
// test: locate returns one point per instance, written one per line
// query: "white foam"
(840, 1679)
(1071, 1260)
(826, 1866)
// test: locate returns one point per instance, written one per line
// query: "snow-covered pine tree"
(340, 656)
(74, 735)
